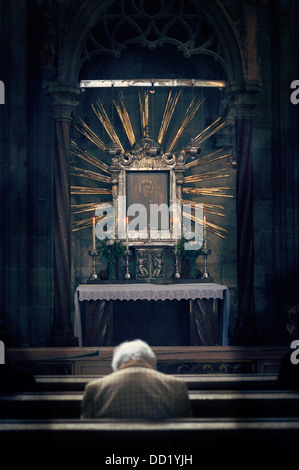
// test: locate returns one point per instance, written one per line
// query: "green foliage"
(188, 253)
(112, 249)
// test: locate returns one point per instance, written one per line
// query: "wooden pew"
(185, 437)
(40, 405)
(207, 403)
(194, 382)
(241, 403)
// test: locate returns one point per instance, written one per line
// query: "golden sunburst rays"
(87, 190)
(168, 113)
(125, 118)
(102, 176)
(212, 209)
(208, 175)
(216, 191)
(144, 109)
(85, 130)
(85, 208)
(216, 126)
(194, 183)
(207, 208)
(193, 187)
(101, 114)
(189, 115)
(98, 191)
(102, 180)
(216, 229)
(80, 172)
(87, 223)
(208, 159)
(211, 227)
(90, 207)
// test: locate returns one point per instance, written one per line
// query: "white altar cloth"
(140, 291)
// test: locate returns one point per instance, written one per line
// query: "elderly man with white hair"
(135, 389)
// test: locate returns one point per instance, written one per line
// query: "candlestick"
(205, 253)
(127, 255)
(177, 273)
(127, 234)
(93, 234)
(175, 231)
(94, 255)
(204, 234)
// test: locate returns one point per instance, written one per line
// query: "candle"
(204, 234)
(175, 231)
(94, 233)
(127, 234)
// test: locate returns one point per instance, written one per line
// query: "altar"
(206, 319)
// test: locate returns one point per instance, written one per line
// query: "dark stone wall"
(26, 301)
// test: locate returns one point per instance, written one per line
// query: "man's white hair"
(130, 350)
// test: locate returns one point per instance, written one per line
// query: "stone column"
(63, 101)
(243, 105)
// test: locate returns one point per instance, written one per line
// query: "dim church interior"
(51, 134)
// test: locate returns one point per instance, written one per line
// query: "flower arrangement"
(188, 253)
(111, 249)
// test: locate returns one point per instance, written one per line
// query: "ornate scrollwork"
(147, 153)
(169, 158)
(126, 159)
(241, 367)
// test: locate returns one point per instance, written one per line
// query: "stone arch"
(91, 13)
(231, 51)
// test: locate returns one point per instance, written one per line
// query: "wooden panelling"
(173, 360)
